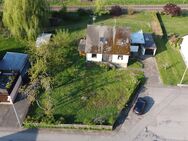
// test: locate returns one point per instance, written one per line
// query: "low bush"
(172, 9)
(84, 12)
(71, 16)
(174, 40)
(116, 10)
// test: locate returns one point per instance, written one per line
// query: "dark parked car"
(140, 106)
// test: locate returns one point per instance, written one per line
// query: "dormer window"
(103, 40)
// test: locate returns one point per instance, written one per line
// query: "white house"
(184, 49)
(106, 44)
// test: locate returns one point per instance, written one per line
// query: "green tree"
(100, 7)
(25, 18)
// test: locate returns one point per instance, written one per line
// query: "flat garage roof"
(13, 61)
(149, 41)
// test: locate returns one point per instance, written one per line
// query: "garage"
(149, 52)
(149, 48)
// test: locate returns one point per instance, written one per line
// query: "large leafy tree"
(25, 18)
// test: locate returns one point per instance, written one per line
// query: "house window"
(94, 55)
(120, 57)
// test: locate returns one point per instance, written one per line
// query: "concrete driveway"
(7, 114)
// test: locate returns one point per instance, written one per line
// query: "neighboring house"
(13, 68)
(106, 44)
(42, 39)
(184, 49)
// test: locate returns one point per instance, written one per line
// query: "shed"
(184, 49)
(44, 38)
(149, 48)
(137, 40)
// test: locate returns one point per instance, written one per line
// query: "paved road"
(136, 7)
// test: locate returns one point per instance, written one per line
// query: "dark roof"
(13, 61)
(107, 40)
(149, 41)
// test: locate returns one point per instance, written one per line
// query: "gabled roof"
(13, 61)
(107, 40)
(137, 37)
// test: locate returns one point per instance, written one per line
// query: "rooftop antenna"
(94, 18)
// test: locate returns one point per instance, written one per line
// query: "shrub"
(172, 9)
(99, 7)
(174, 40)
(116, 10)
(71, 16)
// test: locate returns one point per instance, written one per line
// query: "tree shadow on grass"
(3, 52)
(28, 134)
(184, 13)
(161, 41)
(73, 21)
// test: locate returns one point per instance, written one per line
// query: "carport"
(149, 48)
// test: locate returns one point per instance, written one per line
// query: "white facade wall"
(15, 90)
(122, 61)
(184, 50)
(98, 58)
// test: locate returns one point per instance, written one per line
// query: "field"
(120, 2)
(169, 59)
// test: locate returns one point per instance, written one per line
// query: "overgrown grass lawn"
(90, 94)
